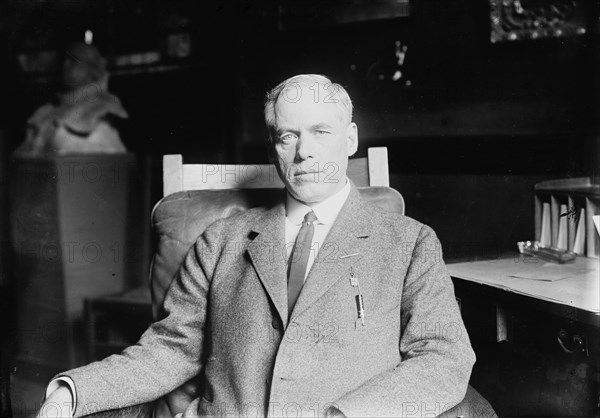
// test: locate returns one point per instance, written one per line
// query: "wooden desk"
(568, 290)
(514, 325)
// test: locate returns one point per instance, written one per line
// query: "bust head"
(83, 65)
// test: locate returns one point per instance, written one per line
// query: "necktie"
(299, 259)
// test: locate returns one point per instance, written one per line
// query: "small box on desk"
(71, 219)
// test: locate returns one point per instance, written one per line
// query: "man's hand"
(57, 404)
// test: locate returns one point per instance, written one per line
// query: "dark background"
(478, 126)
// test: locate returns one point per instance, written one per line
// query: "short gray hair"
(338, 94)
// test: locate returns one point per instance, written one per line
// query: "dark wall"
(476, 192)
(477, 117)
(479, 125)
(461, 83)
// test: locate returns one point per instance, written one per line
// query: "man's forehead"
(319, 92)
(307, 102)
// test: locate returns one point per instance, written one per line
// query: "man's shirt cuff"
(55, 384)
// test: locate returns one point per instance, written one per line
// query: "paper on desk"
(550, 272)
(578, 290)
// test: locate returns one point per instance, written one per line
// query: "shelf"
(122, 71)
(592, 191)
(300, 15)
(151, 69)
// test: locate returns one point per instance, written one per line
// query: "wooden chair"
(177, 177)
(195, 195)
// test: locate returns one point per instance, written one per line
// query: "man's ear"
(352, 138)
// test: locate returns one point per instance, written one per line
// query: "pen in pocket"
(360, 306)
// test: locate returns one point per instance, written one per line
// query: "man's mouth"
(306, 173)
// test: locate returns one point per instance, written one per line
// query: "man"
(363, 313)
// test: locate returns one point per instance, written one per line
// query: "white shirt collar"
(326, 211)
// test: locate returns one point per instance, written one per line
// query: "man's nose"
(305, 147)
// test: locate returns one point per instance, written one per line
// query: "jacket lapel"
(267, 252)
(344, 245)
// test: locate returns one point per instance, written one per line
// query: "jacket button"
(275, 323)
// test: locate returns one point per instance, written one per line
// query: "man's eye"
(287, 138)
(321, 132)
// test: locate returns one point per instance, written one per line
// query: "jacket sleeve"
(167, 355)
(436, 353)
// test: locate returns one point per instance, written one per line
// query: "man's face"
(312, 143)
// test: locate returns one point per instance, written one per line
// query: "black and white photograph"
(300, 208)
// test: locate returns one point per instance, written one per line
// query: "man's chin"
(309, 193)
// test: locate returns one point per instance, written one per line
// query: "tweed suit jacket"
(226, 319)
